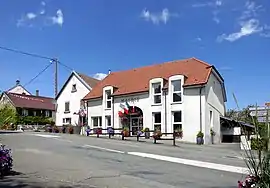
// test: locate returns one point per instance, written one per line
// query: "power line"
(42, 71)
(25, 53)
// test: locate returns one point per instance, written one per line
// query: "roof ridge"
(153, 65)
(87, 76)
(29, 95)
(200, 61)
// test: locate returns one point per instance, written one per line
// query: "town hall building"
(184, 94)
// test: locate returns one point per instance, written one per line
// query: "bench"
(173, 138)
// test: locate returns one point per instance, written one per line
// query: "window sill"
(66, 112)
(159, 104)
(173, 103)
(73, 91)
(108, 108)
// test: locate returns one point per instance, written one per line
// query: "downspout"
(87, 120)
(201, 108)
(165, 110)
(112, 117)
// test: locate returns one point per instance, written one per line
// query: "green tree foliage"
(7, 115)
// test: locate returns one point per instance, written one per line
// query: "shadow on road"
(18, 180)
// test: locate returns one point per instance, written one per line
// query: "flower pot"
(200, 140)
(126, 133)
(147, 135)
(212, 139)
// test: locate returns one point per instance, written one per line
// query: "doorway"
(136, 124)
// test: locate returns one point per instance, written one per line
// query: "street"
(63, 160)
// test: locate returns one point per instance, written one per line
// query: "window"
(177, 120)
(176, 91)
(34, 113)
(47, 113)
(66, 106)
(97, 121)
(211, 119)
(157, 121)
(66, 120)
(156, 88)
(74, 89)
(108, 99)
(108, 121)
(25, 112)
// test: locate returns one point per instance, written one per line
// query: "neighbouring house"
(184, 94)
(70, 108)
(19, 89)
(31, 109)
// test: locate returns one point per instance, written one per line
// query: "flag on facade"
(120, 113)
(133, 109)
(124, 108)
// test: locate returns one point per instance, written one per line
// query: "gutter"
(112, 117)
(165, 98)
(201, 107)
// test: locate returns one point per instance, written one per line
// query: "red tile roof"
(31, 101)
(89, 80)
(136, 80)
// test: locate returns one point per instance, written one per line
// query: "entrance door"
(136, 125)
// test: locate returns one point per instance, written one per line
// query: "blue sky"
(93, 36)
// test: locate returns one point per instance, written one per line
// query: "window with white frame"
(108, 121)
(66, 120)
(47, 113)
(67, 107)
(73, 89)
(176, 91)
(156, 91)
(108, 99)
(97, 121)
(157, 121)
(177, 120)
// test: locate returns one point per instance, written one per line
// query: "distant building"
(184, 94)
(37, 109)
(70, 108)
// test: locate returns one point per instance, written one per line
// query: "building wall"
(5, 101)
(19, 90)
(195, 107)
(215, 104)
(189, 107)
(73, 98)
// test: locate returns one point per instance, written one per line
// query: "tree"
(7, 115)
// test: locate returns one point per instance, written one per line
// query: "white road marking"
(105, 149)
(63, 140)
(202, 164)
(47, 136)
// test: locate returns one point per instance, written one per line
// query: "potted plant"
(146, 133)
(70, 130)
(212, 133)
(200, 139)
(55, 129)
(157, 135)
(125, 132)
(178, 133)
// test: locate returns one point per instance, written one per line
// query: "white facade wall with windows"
(69, 102)
(167, 106)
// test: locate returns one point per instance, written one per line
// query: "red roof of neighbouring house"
(136, 80)
(31, 101)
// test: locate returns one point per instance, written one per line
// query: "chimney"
(37, 92)
(17, 82)
(109, 71)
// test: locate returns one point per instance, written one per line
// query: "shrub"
(259, 144)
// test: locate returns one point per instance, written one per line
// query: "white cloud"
(31, 15)
(247, 28)
(38, 17)
(251, 10)
(58, 18)
(213, 3)
(99, 76)
(156, 18)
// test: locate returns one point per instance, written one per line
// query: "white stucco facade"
(195, 106)
(69, 101)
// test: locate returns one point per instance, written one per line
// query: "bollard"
(138, 138)
(174, 139)
(97, 135)
(155, 141)
(110, 135)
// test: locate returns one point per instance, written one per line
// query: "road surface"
(59, 160)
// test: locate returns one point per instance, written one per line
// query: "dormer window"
(108, 98)
(74, 89)
(156, 90)
(176, 91)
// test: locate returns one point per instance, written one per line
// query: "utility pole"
(55, 77)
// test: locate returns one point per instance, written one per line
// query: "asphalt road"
(76, 161)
